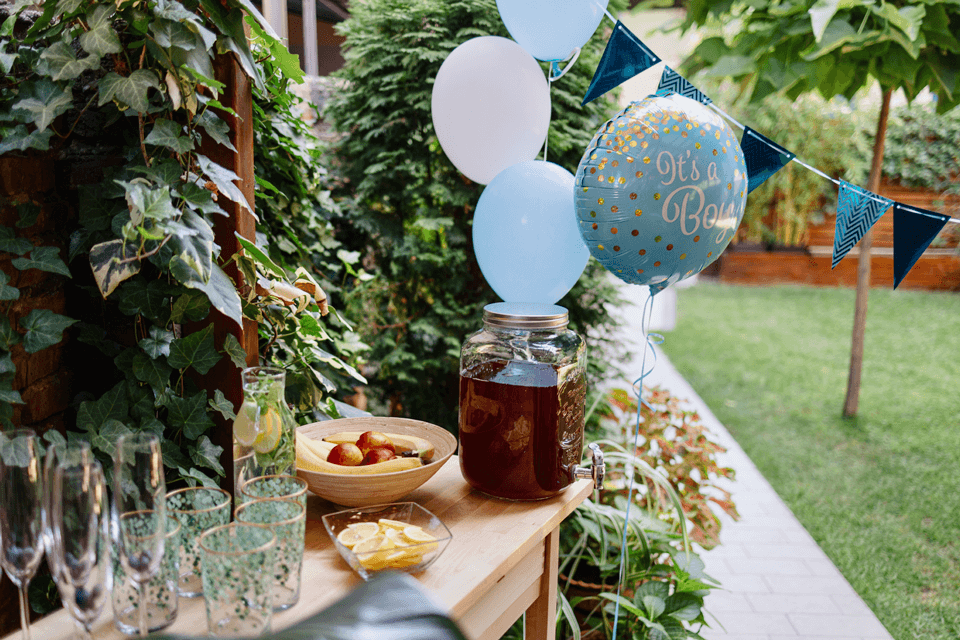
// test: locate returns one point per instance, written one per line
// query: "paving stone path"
(777, 582)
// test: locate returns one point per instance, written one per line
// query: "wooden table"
(501, 563)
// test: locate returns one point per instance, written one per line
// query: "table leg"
(541, 617)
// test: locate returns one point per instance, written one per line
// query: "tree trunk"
(863, 270)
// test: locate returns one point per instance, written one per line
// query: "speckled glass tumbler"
(287, 519)
(237, 566)
(274, 488)
(198, 509)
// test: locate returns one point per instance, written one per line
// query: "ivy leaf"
(207, 454)
(158, 344)
(105, 438)
(172, 33)
(163, 172)
(220, 404)
(192, 244)
(19, 138)
(141, 399)
(10, 243)
(101, 38)
(66, 7)
(42, 101)
(28, 212)
(190, 414)
(224, 179)
(111, 265)
(166, 133)
(154, 371)
(7, 292)
(60, 62)
(8, 337)
(190, 306)
(235, 350)
(173, 457)
(7, 60)
(111, 405)
(129, 91)
(153, 425)
(260, 256)
(216, 128)
(289, 63)
(220, 290)
(195, 350)
(7, 394)
(146, 298)
(44, 329)
(153, 203)
(44, 259)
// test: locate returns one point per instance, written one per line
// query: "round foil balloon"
(660, 190)
(525, 234)
(551, 29)
(490, 106)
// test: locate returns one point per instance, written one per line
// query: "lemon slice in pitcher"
(245, 427)
(269, 436)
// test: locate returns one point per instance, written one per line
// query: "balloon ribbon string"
(650, 339)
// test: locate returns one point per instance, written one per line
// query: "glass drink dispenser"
(522, 393)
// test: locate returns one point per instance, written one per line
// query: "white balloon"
(490, 106)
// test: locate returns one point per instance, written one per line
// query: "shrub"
(408, 211)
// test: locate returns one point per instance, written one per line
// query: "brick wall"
(41, 378)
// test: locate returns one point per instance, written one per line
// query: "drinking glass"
(139, 511)
(80, 527)
(197, 509)
(276, 487)
(21, 512)
(68, 451)
(237, 563)
(287, 519)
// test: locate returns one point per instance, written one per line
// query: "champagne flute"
(21, 513)
(67, 451)
(139, 511)
(80, 524)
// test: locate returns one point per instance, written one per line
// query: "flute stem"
(142, 609)
(24, 610)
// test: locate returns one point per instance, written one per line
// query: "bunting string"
(858, 209)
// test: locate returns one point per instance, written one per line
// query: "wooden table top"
(490, 536)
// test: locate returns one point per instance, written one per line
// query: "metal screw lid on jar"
(525, 315)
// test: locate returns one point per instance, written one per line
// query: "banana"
(400, 441)
(319, 447)
(308, 460)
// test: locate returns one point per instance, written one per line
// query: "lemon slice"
(396, 537)
(245, 429)
(269, 436)
(359, 532)
(416, 534)
(403, 558)
(369, 545)
(387, 523)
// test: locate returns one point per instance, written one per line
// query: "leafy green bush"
(827, 135)
(408, 211)
(923, 151)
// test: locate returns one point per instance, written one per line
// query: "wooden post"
(225, 375)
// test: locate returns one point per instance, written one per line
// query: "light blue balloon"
(661, 190)
(525, 233)
(551, 29)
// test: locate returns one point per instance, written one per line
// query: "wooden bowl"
(376, 488)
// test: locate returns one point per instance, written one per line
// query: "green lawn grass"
(880, 493)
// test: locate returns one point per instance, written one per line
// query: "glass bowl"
(408, 538)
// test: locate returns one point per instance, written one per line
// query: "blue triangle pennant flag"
(624, 57)
(857, 211)
(762, 156)
(673, 82)
(913, 231)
